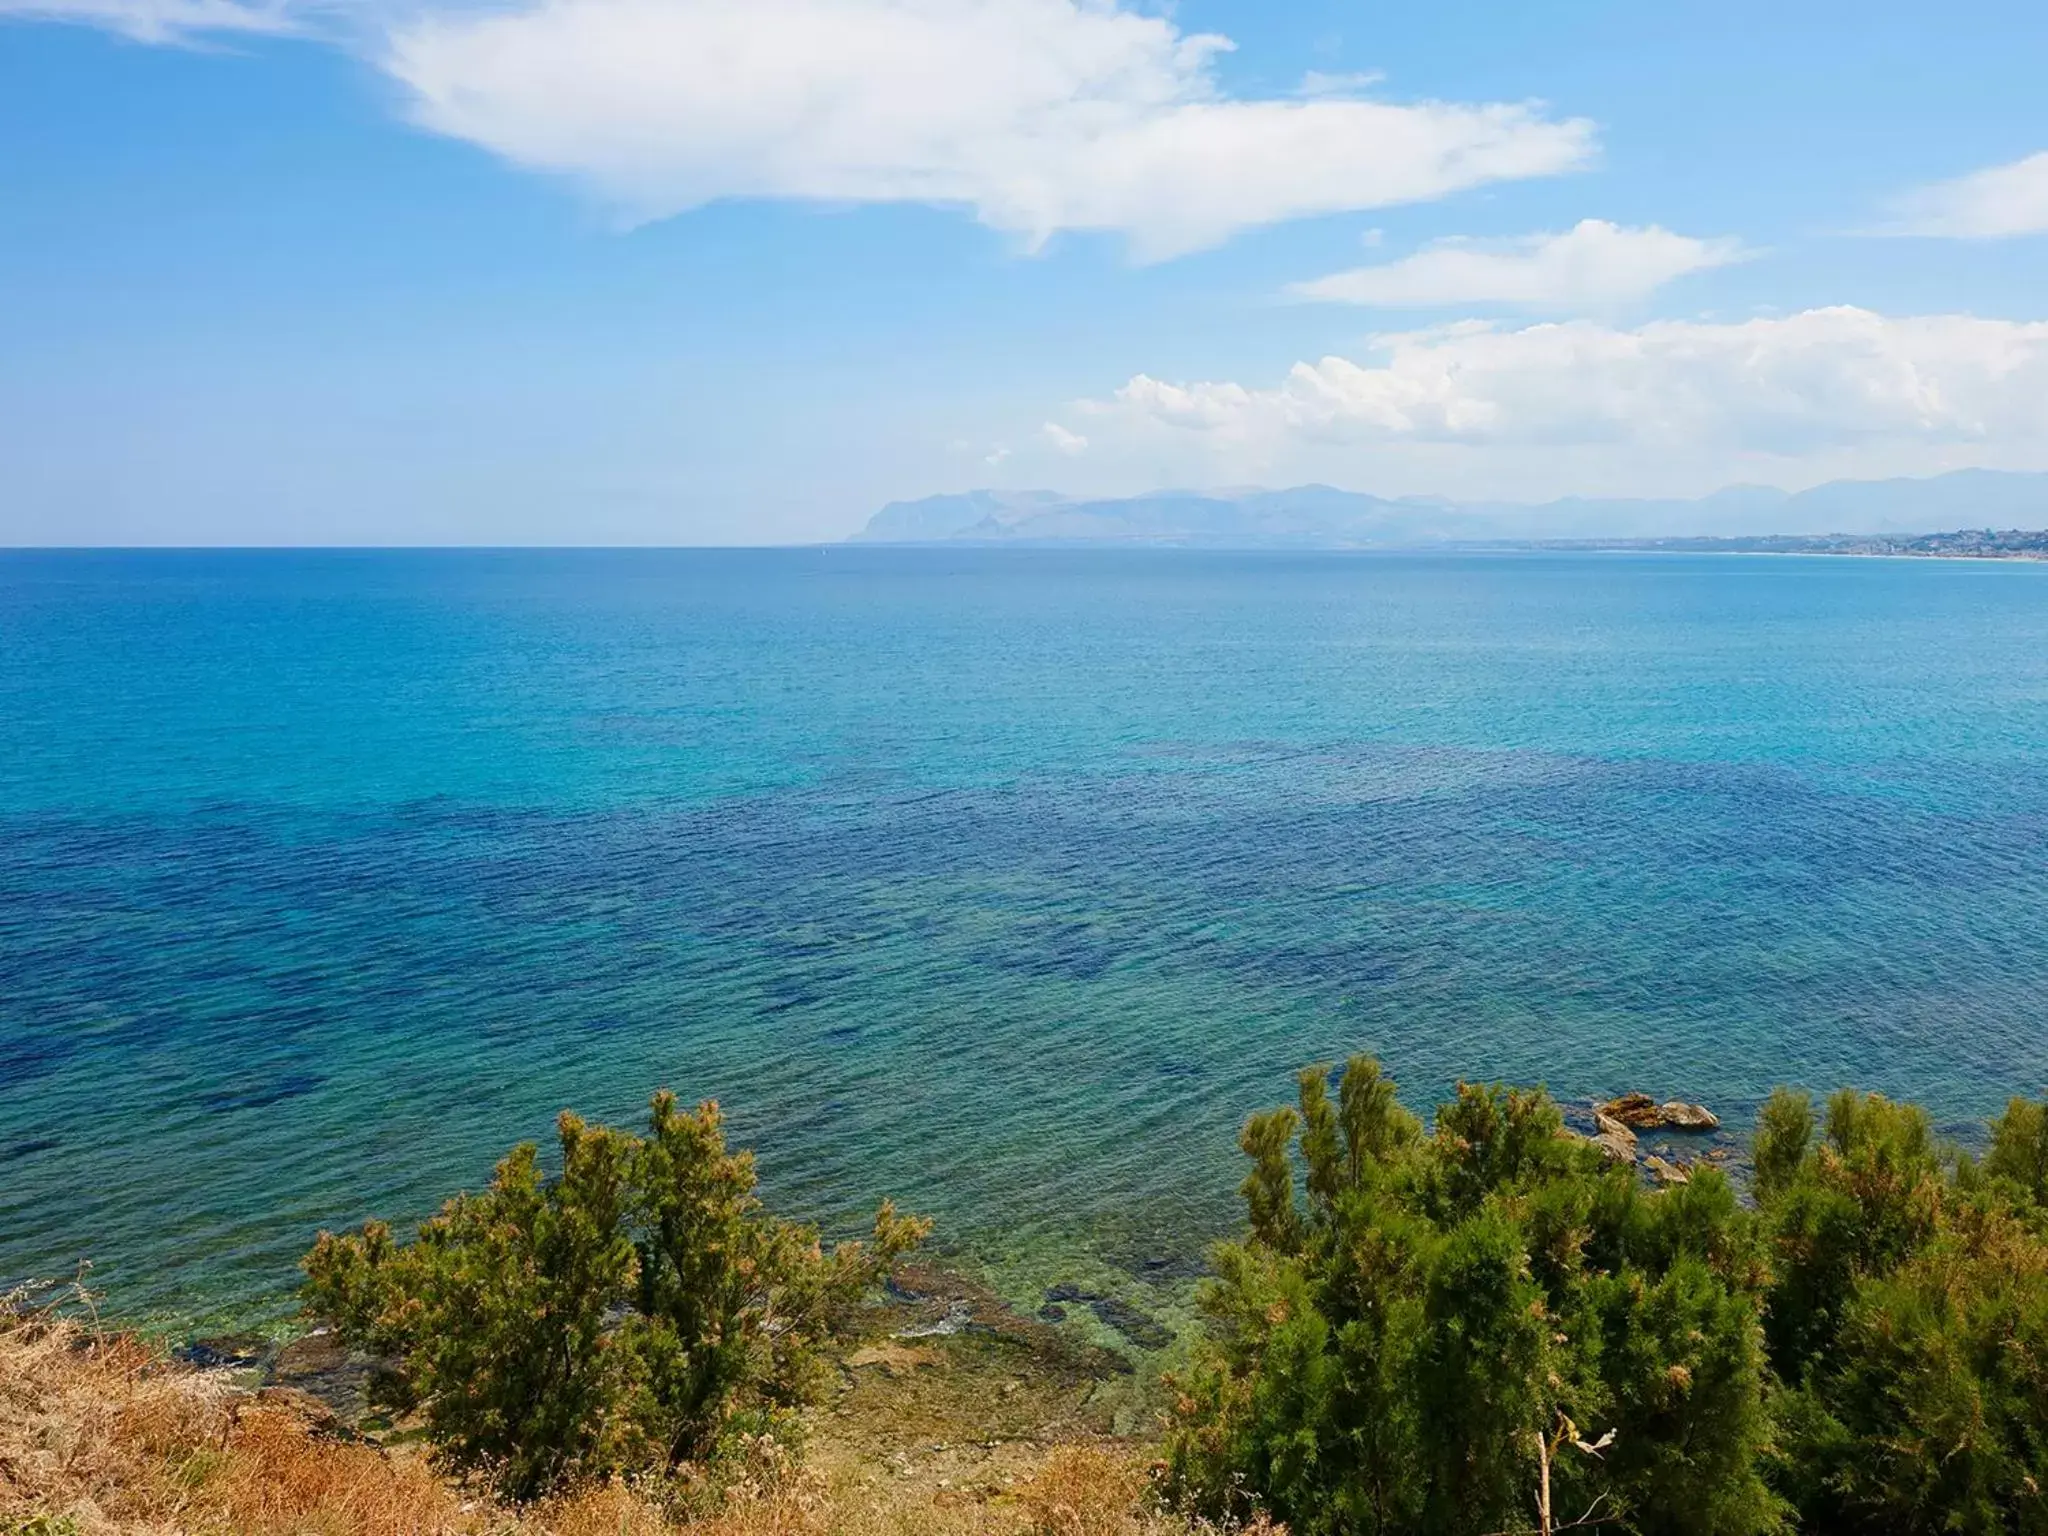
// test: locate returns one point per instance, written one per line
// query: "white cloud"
(1066, 442)
(1594, 264)
(1990, 204)
(1842, 388)
(1038, 115)
(1321, 83)
(161, 21)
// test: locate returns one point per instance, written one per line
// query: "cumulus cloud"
(1594, 264)
(1990, 204)
(162, 21)
(1803, 384)
(1040, 116)
(1065, 441)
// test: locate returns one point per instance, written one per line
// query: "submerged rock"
(959, 1316)
(1170, 1269)
(229, 1352)
(1140, 1328)
(951, 1304)
(893, 1359)
(319, 1365)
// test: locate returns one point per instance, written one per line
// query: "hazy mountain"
(941, 517)
(1320, 516)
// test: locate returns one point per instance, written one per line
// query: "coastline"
(931, 1392)
(1023, 956)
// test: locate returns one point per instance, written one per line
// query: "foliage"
(1908, 1319)
(2019, 1155)
(1401, 1352)
(1407, 1347)
(637, 1310)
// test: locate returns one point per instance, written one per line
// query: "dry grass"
(102, 1436)
(273, 1476)
(88, 1430)
(1086, 1490)
(102, 1432)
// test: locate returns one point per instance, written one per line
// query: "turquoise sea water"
(1005, 882)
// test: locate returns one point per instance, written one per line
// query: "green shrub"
(638, 1310)
(1446, 1313)
(2018, 1159)
(1909, 1321)
(1858, 1202)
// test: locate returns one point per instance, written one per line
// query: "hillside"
(1323, 517)
(999, 1429)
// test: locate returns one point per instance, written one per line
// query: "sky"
(740, 271)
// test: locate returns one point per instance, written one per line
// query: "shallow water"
(1004, 882)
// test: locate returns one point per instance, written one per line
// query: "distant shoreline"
(1988, 511)
(1733, 546)
(1966, 544)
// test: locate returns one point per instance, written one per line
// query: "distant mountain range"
(1321, 517)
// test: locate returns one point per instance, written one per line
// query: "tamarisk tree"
(1413, 1347)
(637, 1310)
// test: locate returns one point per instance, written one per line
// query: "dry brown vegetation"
(102, 1435)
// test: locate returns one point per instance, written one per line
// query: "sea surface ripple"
(1003, 882)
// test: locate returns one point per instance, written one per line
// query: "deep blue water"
(1005, 882)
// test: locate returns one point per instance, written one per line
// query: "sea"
(1002, 882)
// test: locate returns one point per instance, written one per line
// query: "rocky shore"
(930, 1313)
(1665, 1140)
(930, 1323)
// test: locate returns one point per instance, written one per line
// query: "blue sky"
(441, 271)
